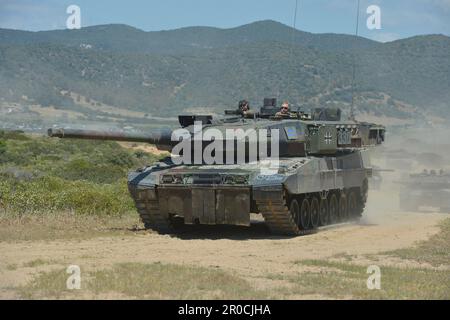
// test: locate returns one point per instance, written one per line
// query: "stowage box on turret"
(321, 176)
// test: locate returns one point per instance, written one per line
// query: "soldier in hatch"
(244, 106)
(244, 109)
(284, 111)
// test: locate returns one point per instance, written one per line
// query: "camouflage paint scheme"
(322, 177)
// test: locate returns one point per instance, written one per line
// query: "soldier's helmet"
(244, 105)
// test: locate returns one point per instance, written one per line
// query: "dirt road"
(246, 252)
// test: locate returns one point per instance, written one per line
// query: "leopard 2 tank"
(308, 170)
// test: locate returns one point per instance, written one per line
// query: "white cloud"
(385, 36)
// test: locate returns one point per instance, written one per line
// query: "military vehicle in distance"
(426, 189)
(321, 178)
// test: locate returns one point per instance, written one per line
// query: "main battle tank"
(320, 178)
(426, 189)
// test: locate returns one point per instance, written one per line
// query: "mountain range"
(204, 69)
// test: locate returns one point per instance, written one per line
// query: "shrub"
(82, 169)
(40, 175)
(2, 148)
(52, 194)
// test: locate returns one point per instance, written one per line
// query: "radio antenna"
(352, 109)
(294, 25)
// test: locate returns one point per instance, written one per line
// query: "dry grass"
(348, 279)
(331, 280)
(11, 267)
(64, 226)
(341, 280)
(325, 278)
(144, 281)
(435, 251)
(37, 263)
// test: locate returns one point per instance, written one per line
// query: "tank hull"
(228, 194)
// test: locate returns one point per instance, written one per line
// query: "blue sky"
(399, 18)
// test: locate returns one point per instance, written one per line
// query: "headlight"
(235, 179)
(167, 178)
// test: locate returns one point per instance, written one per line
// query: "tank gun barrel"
(161, 138)
(382, 170)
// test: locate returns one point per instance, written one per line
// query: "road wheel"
(295, 211)
(177, 224)
(343, 208)
(305, 214)
(352, 205)
(365, 191)
(315, 213)
(324, 218)
(333, 209)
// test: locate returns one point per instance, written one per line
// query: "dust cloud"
(407, 150)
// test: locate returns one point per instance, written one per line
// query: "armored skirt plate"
(207, 204)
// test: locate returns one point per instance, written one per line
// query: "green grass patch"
(144, 281)
(52, 194)
(37, 262)
(347, 280)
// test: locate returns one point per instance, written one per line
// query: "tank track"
(279, 219)
(276, 213)
(149, 212)
(361, 207)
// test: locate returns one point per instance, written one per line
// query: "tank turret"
(295, 137)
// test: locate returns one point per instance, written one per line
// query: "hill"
(123, 38)
(208, 69)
